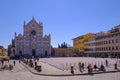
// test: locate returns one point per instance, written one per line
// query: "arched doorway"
(13, 52)
(46, 54)
(20, 53)
(33, 52)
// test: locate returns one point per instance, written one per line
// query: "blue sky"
(63, 19)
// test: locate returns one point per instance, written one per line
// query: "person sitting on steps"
(102, 68)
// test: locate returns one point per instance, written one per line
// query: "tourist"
(19, 61)
(14, 62)
(83, 66)
(37, 59)
(35, 63)
(8, 60)
(10, 67)
(80, 66)
(72, 71)
(90, 68)
(95, 67)
(106, 62)
(102, 68)
(115, 66)
(2, 62)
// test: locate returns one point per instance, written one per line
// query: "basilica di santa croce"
(32, 42)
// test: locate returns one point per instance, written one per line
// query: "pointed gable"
(32, 23)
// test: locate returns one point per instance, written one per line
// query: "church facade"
(32, 42)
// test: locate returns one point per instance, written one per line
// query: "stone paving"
(50, 70)
(21, 72)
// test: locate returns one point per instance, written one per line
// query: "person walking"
(72, 71)
(2, 62)
(83, 66)
(115, 66)
(106, 62)
(19, 61)
(14, 62)
(80, 66)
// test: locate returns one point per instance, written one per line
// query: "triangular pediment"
(33, 21)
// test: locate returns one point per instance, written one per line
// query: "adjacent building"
(79, 43)
(3, 53)
(102, 44)
(63, 52)
(31, 42)
(105, 44)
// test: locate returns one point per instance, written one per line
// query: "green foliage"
(63, 45)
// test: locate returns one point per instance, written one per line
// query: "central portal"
(46, 54)
(33, 52)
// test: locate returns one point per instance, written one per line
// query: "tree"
(63, 45)
(59, 46)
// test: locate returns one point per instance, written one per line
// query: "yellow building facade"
(79, 42)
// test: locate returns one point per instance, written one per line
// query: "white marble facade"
(32, 42)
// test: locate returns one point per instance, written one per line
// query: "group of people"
(95, 68)
(30, 62)
(91, 68)
(33, 64)
(81, 66)
(2, 61)
(7, 65)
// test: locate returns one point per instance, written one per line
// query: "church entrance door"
(20, 53)
(33, 52)
(46, 54)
